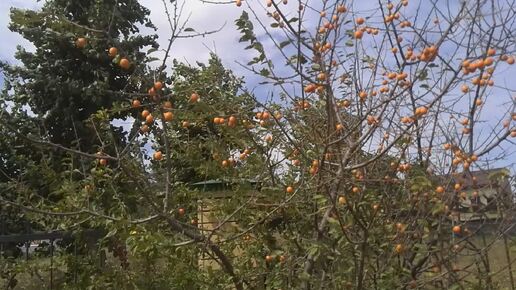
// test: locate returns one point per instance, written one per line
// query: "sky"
(202, 17)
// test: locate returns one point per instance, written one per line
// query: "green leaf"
(316, 66)
(285, 43)
(116, 60)
(111, 233)
(264, 72)
(423, 75)
(305, 276)
(499, 175)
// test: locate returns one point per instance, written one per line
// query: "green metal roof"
(217, 184)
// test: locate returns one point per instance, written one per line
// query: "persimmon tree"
(362, 136)
(397, 95)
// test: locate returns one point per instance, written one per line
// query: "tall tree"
(56, 87)
(71, 73)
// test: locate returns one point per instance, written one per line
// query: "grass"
(470, 261)
(36, 271)
(36, 275)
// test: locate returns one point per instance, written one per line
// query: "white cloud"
(10, 39)
(202, 17)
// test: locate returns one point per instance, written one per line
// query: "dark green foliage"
(63, 84)
(194, 148)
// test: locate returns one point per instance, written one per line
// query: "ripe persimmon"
(158, 85)
(112, 52)
(194, 98)
(232, 121)
(136, 103)
(145, 128)
(168, 116)
(488, 61)
(149, 119)
(157, 155)
(151, 92)
(421, 111)
(167, 105)
(81, 42)
(125, 64)
(310, 88)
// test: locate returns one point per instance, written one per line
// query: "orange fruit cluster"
(429, 54)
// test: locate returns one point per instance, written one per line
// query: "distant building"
(483, 193)
(214, 194)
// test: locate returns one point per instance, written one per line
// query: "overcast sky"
(203, 17)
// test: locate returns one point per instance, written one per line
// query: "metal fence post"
(51, 264)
